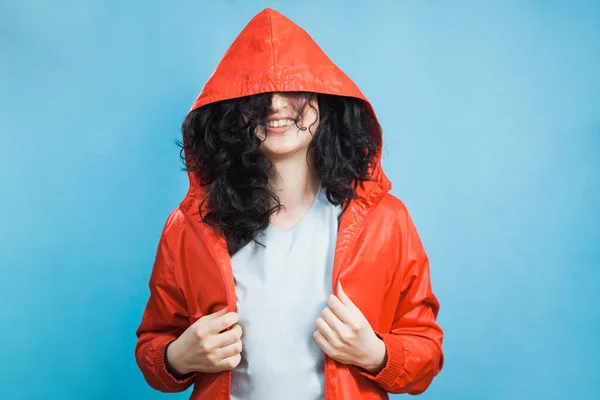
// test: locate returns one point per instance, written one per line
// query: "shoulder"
(176, 220)
(394, 209)
(174, 229)
(174, 238)
(397, 216)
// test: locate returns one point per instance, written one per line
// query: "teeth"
(280, 122)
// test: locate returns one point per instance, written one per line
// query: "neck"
(294, 182)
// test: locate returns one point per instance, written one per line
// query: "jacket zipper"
(220, 268)
(338, 277)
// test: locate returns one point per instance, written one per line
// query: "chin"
(281, 148)
(278, 152)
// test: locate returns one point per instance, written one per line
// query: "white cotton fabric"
(281, 289)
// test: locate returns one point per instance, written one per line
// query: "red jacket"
(379, 257)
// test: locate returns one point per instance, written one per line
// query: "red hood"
(273, 54)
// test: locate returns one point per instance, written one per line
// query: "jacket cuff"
(163, 371)
(394, 365)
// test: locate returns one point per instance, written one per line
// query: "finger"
(343, 313)
(230, 362)
(228, 337)
(335, 323)
(323, 343)
(230, 350)
(219, 313)
(223, 322)
(326, 331)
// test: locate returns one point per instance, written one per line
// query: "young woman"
(288, 271)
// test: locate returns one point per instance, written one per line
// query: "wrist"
(173, 360)
(377, 358)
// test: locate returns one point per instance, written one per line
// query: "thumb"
(219, 313)
(346, 300)
(216, 315)
(342, 295)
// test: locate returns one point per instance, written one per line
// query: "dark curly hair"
(220, 146)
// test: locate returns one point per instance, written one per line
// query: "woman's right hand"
(206, 347)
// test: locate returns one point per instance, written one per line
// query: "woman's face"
(282, 137)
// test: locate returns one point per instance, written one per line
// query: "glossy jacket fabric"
(379, 257)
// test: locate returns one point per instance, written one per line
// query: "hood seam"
(272, 46)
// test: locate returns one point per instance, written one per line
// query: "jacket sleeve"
(414, 343)
(164, 319)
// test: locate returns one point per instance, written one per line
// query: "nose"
(279, 101)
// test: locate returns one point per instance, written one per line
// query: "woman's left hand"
(345, 335)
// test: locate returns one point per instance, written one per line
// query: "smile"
(279, 123)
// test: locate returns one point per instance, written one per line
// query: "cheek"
(311, 119)
(260, 132)
(307, 136)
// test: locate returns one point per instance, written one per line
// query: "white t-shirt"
(281, 290)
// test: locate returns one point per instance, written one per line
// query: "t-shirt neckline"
(316, 205)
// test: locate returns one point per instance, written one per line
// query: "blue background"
(491, 117)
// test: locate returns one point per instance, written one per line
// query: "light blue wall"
(491, 116)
